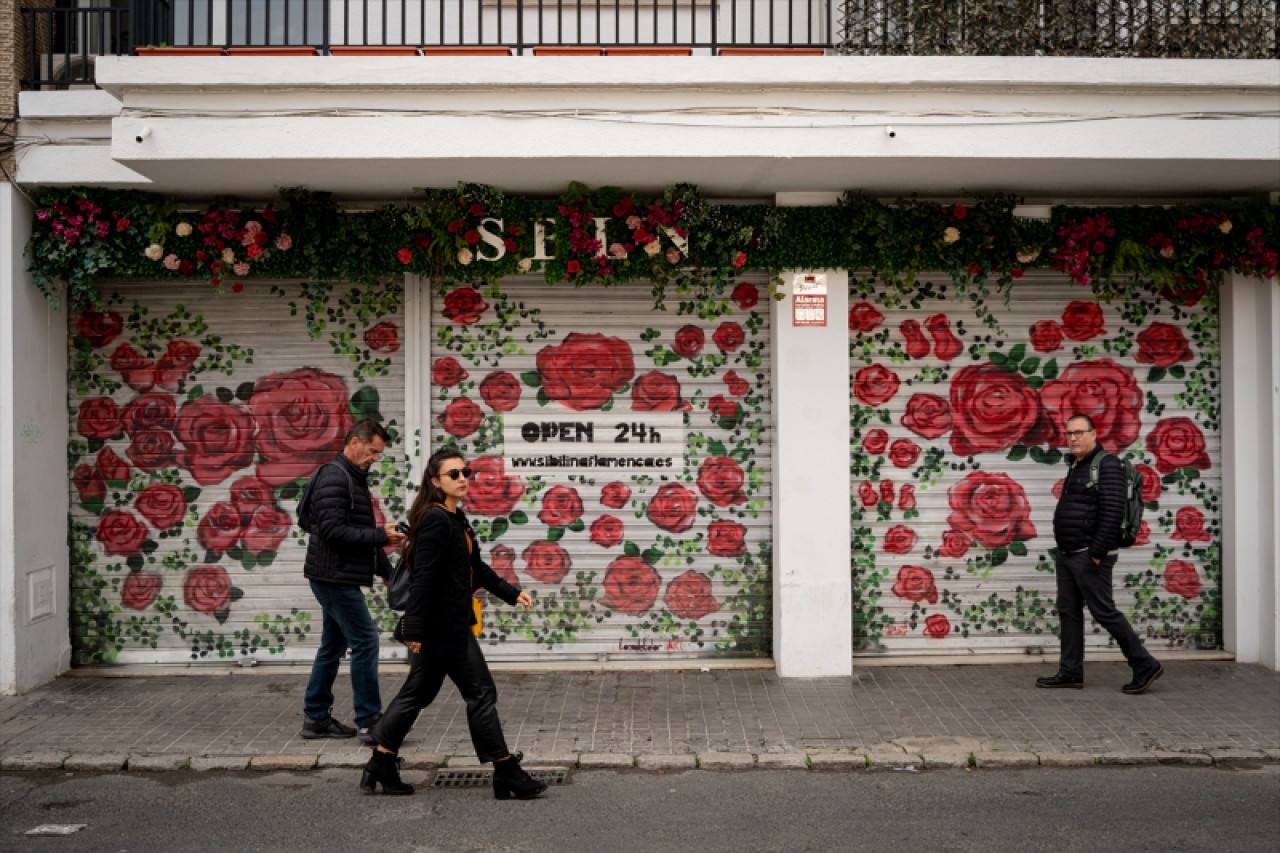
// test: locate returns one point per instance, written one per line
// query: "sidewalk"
(1199, 713)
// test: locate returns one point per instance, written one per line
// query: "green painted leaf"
(224, 394)
(1178, 371)
(222, 615)
(1155, 374)
(190, 493)
(93, 505)
(148, 546)
(1050, 371)
(532, 378)
(578, 525)
(1034, 381)
(96, 444)
(652, 556)
(999, 557)
(244, 391)
(518, 517)
(499, 526)
(555, 534)
(543, 399)
(999, 359)
(1017, 453)
(716, 448)
(247, 559)
(1031, 365)
(630, 549)
(266, 558)
(235, 553)
(1018, 549)
(196, 392)
(134, 562)
(1017, 354)
(364, 403)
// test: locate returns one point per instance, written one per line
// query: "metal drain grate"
(482, 777)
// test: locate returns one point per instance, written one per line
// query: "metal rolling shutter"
(623, 562)
(959, 413)
(195, 417)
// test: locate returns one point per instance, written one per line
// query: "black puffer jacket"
(439, 614)
(345, 544)
(1090, 518)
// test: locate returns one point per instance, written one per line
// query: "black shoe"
(383, 769)
(328, 727)
(510, 780)
(1141, 682)
(365, 732)
(1061, 680)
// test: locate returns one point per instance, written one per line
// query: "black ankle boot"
(383, 767)
(510, 780)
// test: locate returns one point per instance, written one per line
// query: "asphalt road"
(1060, 809)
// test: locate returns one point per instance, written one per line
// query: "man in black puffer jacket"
(1086, 527)
(344, 552)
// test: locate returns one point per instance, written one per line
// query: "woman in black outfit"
(437, 631)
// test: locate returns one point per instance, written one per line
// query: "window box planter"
(648, 51)
(268, 50)
(466, 51)
(179, 51)
(567, 50)
(374, 50)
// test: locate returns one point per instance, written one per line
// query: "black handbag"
(398, 584)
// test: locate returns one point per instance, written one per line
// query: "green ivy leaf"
(1017, 453)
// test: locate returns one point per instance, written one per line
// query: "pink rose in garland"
(656, 392)
(98, 418)
(688, 341)
(916, 584)
(728, 337)
(672, 508)
(1104, 391)
(140, 590)
(220, 528)
(720, 480)
(1082, 321)
(1162, 345)
(383, 338)
(689, 596)
(615, 495)
(464, 306)
(561, 506)
(606, 531)
(151, 449)
(1178, 443)
(1180, 578)
(863, 317)
(585, 370)
(1189, 526)
(546, 562)
(492, 491)
(992, 410)
(162, 505)
(217, 439)
(461, 417)
(927, 415)
(726, 538)
(99, 328)
(137, 371)
(173, 365)
(1046, 336)
(152, 410)
(266, 530)
(502, 559)
(446, 372)
(121, 534)
(991, 508)
(302, 421)
(207, 589)
(937, 627)
(899, 539)
(875, 385)
(500, 391)
(630, 585)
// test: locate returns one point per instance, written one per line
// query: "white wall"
(34, 576)
(1251, 469)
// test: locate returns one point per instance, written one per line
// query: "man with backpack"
(344, 552)
(1089, 526)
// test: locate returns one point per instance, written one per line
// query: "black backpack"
(1131, 524)
(305, 517)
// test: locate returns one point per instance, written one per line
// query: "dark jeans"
(1081, 583)
(471, 675)
(347, 624)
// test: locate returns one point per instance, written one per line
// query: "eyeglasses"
(1077, 433)
(457, 472)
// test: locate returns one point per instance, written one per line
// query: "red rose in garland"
(1180, 578)
(207, 589)
(606, 531)
(1046, 336)
(904, 453)
(689, 596)
(745, 296)
(249, 493)
(461, 417)
(726, 538)
(1185, 294)
(728, 337)
(875, 441)
(492, 491)
(99, 328)
(992, 508)
(173, 365)
(1189, 526)
(140, 590)
(151, 450)
(464, 306)
(688, 341)
(916, 584)
(899, 539)
(446, 372)
(98, 417)
(220, 528)
(502, 559)
(1178, 443)
(500, 391)
(162, 505)
(1082, 321)
(546, 562)
(149, 410)
(302, 418)
(137, 371)
(630, 585)
(88, 483)
(266, 530)
(937, 627)
(561, 506)
(954, 545)
(217, 439)
(927, 415)
(720, 480)
(863, 317)
(736, 384)
(875, 385)
(1151, 485)
(1162, 345)
(991, 411)
(121, 534)
(672, 508)
(615, 495)
(383, 338)
(585, 370)
(112, 467)
(656, 392)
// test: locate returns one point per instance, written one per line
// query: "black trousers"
(470, 674)
(1081, 583)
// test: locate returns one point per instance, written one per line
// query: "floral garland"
(475, 234)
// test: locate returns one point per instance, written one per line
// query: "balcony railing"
(64, 42)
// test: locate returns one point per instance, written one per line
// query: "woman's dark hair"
(428, 494)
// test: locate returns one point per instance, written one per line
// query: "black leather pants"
(470, 674)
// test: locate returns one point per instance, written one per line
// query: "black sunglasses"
(457, 472)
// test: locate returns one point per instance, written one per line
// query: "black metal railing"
(63, 44)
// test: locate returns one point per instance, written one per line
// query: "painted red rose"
(904, 453)
(917, 345)
(689, 596)
(121, 533)
(875, 385)
(656, 392)
(99, 328)
(137, 371)
(1178, 443)
(217, 439)
(266, 530)
(720, 480)
(1082, 321)
(446, 372)
(112, 468)
(162, 505)
(546, 562)
(174, 363)
(149, 410)
(502, 559)
(98, 417)
(561, 506)
(207, 589)
(728, 337)
(867, 493)
(722, 407)
(1189, 526)
(1144, 535)
(585, 370)
(863, 317)
(886, 491)
(1185, 294)
(88, 483)
(991, 410)
(464, 306)
(927, 415)
(1180, 578)
(992, 508)
(736, 384)
(1162, 345)
(688, 341)
(937, 627)
(954, 545)
(220, 528)
(249, 493)
(726, 538)
(461, 417)
(383, 338)
(672, 508)
(745, 296)
(500, 391)
(1046, 336)
(875, 441)
(907, 498)
(140, 590)
(1151, 485)
(151, 449)
(615, 495)
(916, 584)
(899, 539)
(492, 492)
(302, 418)
(630, 585)
(606, 531)
(946, 346)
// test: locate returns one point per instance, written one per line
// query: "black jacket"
(346, 543)
(439, 614)
(1090, 518)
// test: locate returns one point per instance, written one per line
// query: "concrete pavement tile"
(422, 760)
(465, 762)
(924, 745)
(1273, 754)
(605, 760)
(1166, 757)
(1067, 759)
(1005, 759)
(35, 761)
(552, 759)
(837, 761)
(219, 762)
(936, 760)
(782, 761)
(881, 760)
(726, 761)
(344, 759)
(96, 761)
(157, 763)
(1236, 756)
(283, 762)
(667, 762)
(1128, 757)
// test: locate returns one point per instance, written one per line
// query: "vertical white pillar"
(812, 584)
(35, 581)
